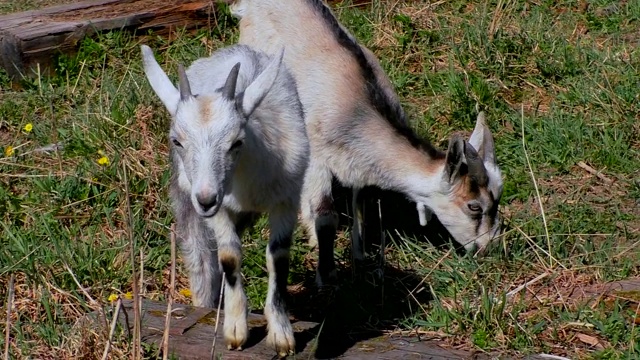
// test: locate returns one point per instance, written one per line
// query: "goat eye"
(236, 145)
(475, 207)
(176, 142)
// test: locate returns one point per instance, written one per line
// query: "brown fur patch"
(206, 111)
(229, 259)
(325, 207)
(230, 262)
(463, 192)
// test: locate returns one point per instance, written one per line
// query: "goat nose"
(207, 200)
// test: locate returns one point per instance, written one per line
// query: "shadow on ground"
(361, 307)
(373, 297)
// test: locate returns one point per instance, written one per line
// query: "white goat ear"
(257, 90)
(159, 81)
(482, 140)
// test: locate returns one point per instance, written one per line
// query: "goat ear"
(258, 89)
(475, 164)
(482, 140)
(462, 159)
(185, 88)
(456, 162)
(159, 81)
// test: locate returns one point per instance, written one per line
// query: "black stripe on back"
(389, 109)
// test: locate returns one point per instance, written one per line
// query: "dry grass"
(10, 6)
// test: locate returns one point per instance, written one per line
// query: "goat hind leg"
(198, 249)
(320, 218)
(280, 333)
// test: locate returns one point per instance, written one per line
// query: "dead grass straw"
(215, 330)
(172, 284)
(7, 330)
(134, 283)
(383, 245)
(530, 282)
(535, 185)
(86, 294)
(595, 172)
(112, 329)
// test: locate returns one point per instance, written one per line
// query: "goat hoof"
(232, 347)
(324, 279)
(236, 334)
(284, 354)
(283, 342)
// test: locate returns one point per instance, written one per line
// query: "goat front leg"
(198, 248)
(320, 218)
(235, 328)
(280, 333)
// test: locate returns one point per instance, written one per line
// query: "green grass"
(572, 69)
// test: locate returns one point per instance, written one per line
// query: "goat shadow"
(375, 297)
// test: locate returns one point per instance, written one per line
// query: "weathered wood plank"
(32, 39)
(192, 331)
(35, 37)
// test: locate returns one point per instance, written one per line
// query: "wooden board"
(36, 37)
(192, 330)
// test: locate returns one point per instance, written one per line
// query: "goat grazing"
(238, 147)
(359, 133)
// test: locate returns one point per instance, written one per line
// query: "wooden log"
(35, 37)
(192, 331)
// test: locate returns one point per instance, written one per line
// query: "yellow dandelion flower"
(113, 297)
(28, 127)
(8, 151)
(128, 295)
(103, 161)
(185, 292)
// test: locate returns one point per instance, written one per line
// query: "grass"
(571, 67)
(8, 6)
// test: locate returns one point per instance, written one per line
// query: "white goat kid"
(238, 147)
(359, 133)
